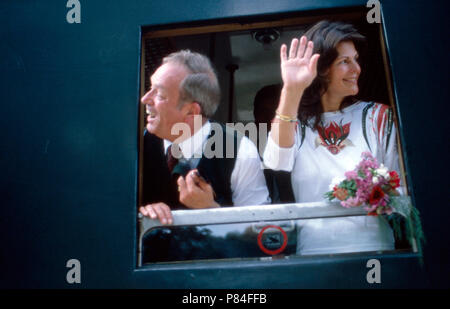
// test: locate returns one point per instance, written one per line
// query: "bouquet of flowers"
(371, 184)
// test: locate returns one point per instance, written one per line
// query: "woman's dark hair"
(326, 36)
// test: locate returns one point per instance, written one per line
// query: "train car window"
(245, 54)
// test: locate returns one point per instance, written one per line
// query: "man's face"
(161, 101)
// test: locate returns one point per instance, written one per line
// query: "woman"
(320, 131)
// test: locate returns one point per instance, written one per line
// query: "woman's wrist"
(285, 118)
(289, 102)
(294, 88)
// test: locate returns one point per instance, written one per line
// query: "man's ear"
(190, 111)
(193, 109)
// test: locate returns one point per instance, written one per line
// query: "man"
(184, 94)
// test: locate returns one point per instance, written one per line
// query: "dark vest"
(160, 186)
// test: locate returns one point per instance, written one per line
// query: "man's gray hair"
(201, 85)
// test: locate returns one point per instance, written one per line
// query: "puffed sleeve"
(247, 179)
(278, 158)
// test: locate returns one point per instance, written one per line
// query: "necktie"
(174, 170)
(171, 159)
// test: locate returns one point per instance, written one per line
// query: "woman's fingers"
(300, 67)
(309, 50)
(283, 54)
(298, 49)
(293, 49)
(301, 48)
(313, 64)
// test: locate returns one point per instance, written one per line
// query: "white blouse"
(328, 152)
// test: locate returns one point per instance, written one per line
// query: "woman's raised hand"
(300, 68)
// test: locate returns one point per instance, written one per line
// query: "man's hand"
(300, 68)
(158, 211)
(195, 192)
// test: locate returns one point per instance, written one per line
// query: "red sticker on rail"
(276, 251)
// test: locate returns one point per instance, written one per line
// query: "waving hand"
(299, 68)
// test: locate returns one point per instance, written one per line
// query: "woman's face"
(344, 72)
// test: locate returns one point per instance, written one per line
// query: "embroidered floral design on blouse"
(334, 136)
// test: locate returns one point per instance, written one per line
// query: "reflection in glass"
(222, 241)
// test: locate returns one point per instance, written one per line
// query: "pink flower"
(368, 162)
(351, 202)
(351, 175)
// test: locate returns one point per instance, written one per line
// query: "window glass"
(281, 239)
(219, 241)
